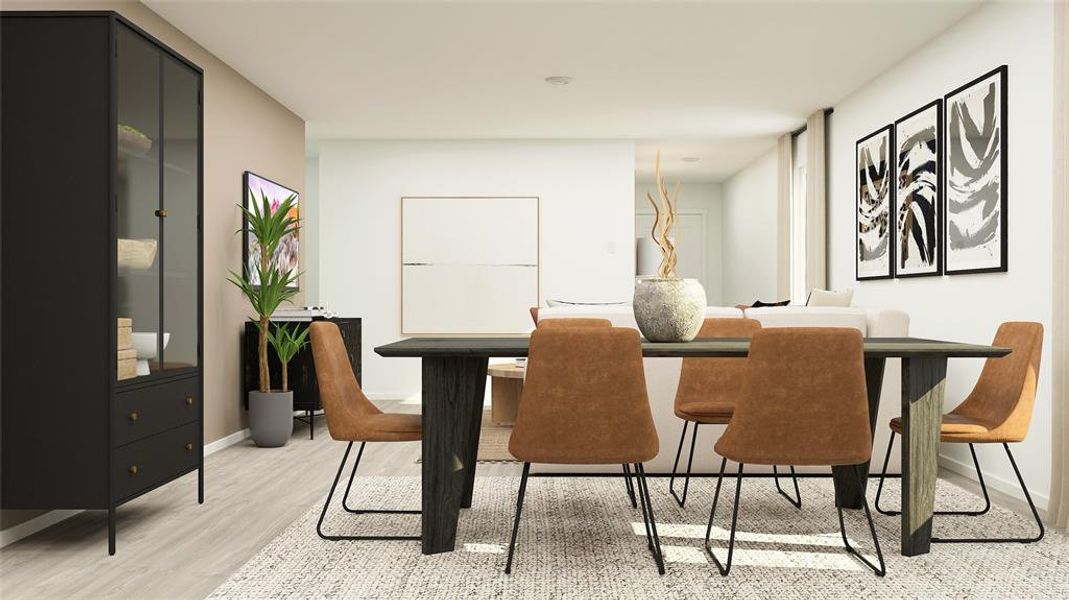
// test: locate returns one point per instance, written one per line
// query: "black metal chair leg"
(797, 500)
(330, 494)
(516, 521)
(953, 513)
(675, 464)
(883, 475)
(369, 511)
(644, 491)
(630, 486)
(725, 568)
(882, 569)
(682, 501)
(1031, 505)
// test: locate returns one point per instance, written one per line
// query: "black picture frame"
(939, 203)
(889, 131)
(1002, 73)
(245, 221)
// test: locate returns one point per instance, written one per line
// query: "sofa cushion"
(810, 316)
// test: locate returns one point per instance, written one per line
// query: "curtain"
(785, 168)
(816, 241)
(1058, 509)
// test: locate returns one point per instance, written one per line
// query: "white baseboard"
(226, 442)
(1002, 485)
(50, 518)
(405, 398)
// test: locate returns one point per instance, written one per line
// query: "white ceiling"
(718, 80)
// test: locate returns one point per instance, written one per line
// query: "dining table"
(454, 373)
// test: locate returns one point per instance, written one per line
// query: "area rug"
(580, 538)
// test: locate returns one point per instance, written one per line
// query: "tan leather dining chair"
(708, 388)
(997, 411)
(584, 402)
(803, 403)
(592, 322)
(352, 418)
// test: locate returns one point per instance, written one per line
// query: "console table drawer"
(143, 412)
(146, 463)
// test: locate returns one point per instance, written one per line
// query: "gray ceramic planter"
(669, 310)
(271, 418)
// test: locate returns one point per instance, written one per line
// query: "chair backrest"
(715, 379)
(584, 400)
(1005, 394)
(556, 323)
(344, 404)
(804, 400)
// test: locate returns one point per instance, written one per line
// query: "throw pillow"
(760, 304)
(839, 298)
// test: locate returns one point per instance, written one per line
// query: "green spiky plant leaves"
(273, 287)
(287, 342)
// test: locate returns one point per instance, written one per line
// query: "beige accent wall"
(244, 129)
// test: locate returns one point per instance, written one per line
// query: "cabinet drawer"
(146, 463)
(139, 413)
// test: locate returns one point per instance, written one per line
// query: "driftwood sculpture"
(664, 210)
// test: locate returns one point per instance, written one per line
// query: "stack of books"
(301, 313)
(125, 353)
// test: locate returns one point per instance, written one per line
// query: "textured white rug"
(580, 538)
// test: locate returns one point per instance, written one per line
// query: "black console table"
(302, 372)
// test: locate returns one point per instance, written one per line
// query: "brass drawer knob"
(134, 416)
(189, 400)
(189, 447)
(133, 469)
(161, 213)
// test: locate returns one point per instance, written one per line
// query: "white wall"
(708, 198)
(749, 226)
(587, 224)
(968, 307)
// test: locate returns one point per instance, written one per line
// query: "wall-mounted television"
(287, 256)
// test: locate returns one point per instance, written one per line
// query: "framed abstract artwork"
(975, 170)
(875, 197)
(918, 192)
(287, 255)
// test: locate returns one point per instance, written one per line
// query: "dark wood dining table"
(454, 382)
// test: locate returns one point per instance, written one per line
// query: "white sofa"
(662, 374)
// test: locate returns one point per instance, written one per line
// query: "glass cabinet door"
(138, 199)
(181, 165)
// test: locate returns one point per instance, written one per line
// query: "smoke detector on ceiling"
(558, 80)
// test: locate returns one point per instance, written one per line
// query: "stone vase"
(669, 309)
(271, 418)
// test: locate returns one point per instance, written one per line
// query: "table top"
(702, 347)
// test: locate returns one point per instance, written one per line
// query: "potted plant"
(667, 307)
(270, 411)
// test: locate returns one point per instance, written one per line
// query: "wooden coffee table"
(506, 385)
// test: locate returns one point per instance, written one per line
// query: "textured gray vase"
(271, 418)
(669, 310)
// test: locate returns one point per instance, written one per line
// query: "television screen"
(288, 252)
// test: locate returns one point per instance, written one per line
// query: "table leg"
(453, 389)
(923, 386)
(848, 492)
(471, 441)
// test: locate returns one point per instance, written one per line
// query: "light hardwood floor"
(171, 547)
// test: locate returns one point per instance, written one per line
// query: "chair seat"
(716, 413)
(954, 428)
(393, 427)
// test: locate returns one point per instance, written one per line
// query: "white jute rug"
(580, 538)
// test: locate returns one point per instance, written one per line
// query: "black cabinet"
(102, 159)
(301, 374)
